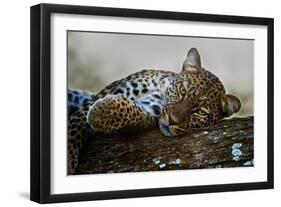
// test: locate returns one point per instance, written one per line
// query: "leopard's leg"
(78, 132)
(118, 114)
(76, 99)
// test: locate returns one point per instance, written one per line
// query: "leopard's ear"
(192, 62)
(230, 105)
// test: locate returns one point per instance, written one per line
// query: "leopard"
(173, 102)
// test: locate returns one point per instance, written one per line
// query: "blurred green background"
(96, 59)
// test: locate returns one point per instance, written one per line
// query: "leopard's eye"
(201, 112)
(182, 90)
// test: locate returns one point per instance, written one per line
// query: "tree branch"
(228, 144)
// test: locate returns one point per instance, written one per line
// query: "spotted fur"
(175, 102)
(77, 99)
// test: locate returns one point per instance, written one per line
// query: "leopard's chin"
(167, 129)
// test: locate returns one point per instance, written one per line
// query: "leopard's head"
(197, 99)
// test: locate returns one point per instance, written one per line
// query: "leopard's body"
(174, 102)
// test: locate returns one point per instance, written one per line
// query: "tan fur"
(195, 98)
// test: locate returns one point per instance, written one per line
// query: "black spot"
(132, 99)
(156, 109)
(146, 80)
(69, 96)
(128, 93)
(144, 90)
(119, 91)
(127, 88)
(145, 102)
(156, 96)
(76, 99)
(154, 83)
(136, 92)
(134, 84)
(144, 85)
(72, 133)
(72, 109)
(80, 115)
(163, 77)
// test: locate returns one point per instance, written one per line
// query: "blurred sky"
(96, 59)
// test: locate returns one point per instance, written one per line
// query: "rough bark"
(227, 144)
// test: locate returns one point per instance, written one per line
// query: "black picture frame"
(41, 98)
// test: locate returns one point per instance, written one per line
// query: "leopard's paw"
(108, 114)
(115, 114)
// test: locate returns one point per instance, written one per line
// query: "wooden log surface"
(227, 144)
